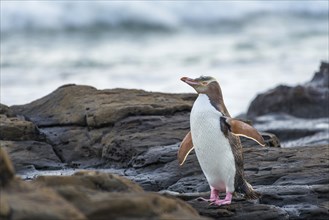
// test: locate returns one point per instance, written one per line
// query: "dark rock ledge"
(298, 115)
(135, 134)
(84, 195)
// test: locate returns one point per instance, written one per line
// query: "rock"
(240, 210)
(292, 185)
(23, 200)
(321, 78)
(5, 110)
(305, 101)
(320, 138)
(299, 202)
(195, 183)
(295, 132)
(136, 134)
(6, 168)
(163, 170)
(4, 208)
(87, 106)
(26, 201)
(61, 107)
(90, 127)
(105, 196)
(87, 195)
(298, 116)
(92, 180)
(271, 140)
(38, 154)
(76, 146)
(25, 144)
(17, 129)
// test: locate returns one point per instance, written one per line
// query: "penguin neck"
(215, 96)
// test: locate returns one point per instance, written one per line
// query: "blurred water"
(249, 46)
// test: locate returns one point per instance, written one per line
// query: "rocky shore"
(90, 154)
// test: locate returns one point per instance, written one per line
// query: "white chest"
(212, 148)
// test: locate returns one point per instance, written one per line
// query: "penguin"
(214, 136)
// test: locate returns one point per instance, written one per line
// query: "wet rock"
(136, 134)
(240, 210)
(320, 138)
(158, 168)
(77, 146)
(309, 100)
(298, 116)
(271, 140)
(295, 132)
(298, 201)
(294, 184)
(38, 154)
(195, 183)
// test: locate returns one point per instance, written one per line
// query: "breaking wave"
(164, 15)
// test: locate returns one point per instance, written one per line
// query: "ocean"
(249, 46)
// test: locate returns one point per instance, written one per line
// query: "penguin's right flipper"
(240, 128)
(185, 148)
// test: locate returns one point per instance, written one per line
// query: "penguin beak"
(190, 81)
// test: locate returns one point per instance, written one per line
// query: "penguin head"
(201, 84)
(209, 86)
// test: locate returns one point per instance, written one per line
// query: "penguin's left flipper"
(185, 148)
(240, 128)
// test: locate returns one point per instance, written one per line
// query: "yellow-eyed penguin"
(214, 136)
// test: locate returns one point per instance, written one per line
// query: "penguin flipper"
(185, 148)
(239, 128)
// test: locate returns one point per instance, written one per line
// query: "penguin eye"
(204, 83)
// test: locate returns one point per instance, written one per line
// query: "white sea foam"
(57, 15)
(241, 42)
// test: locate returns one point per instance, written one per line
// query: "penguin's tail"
(250, 193)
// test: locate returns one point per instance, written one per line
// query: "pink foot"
(226, 201)
(213, 195)
(220, 202)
